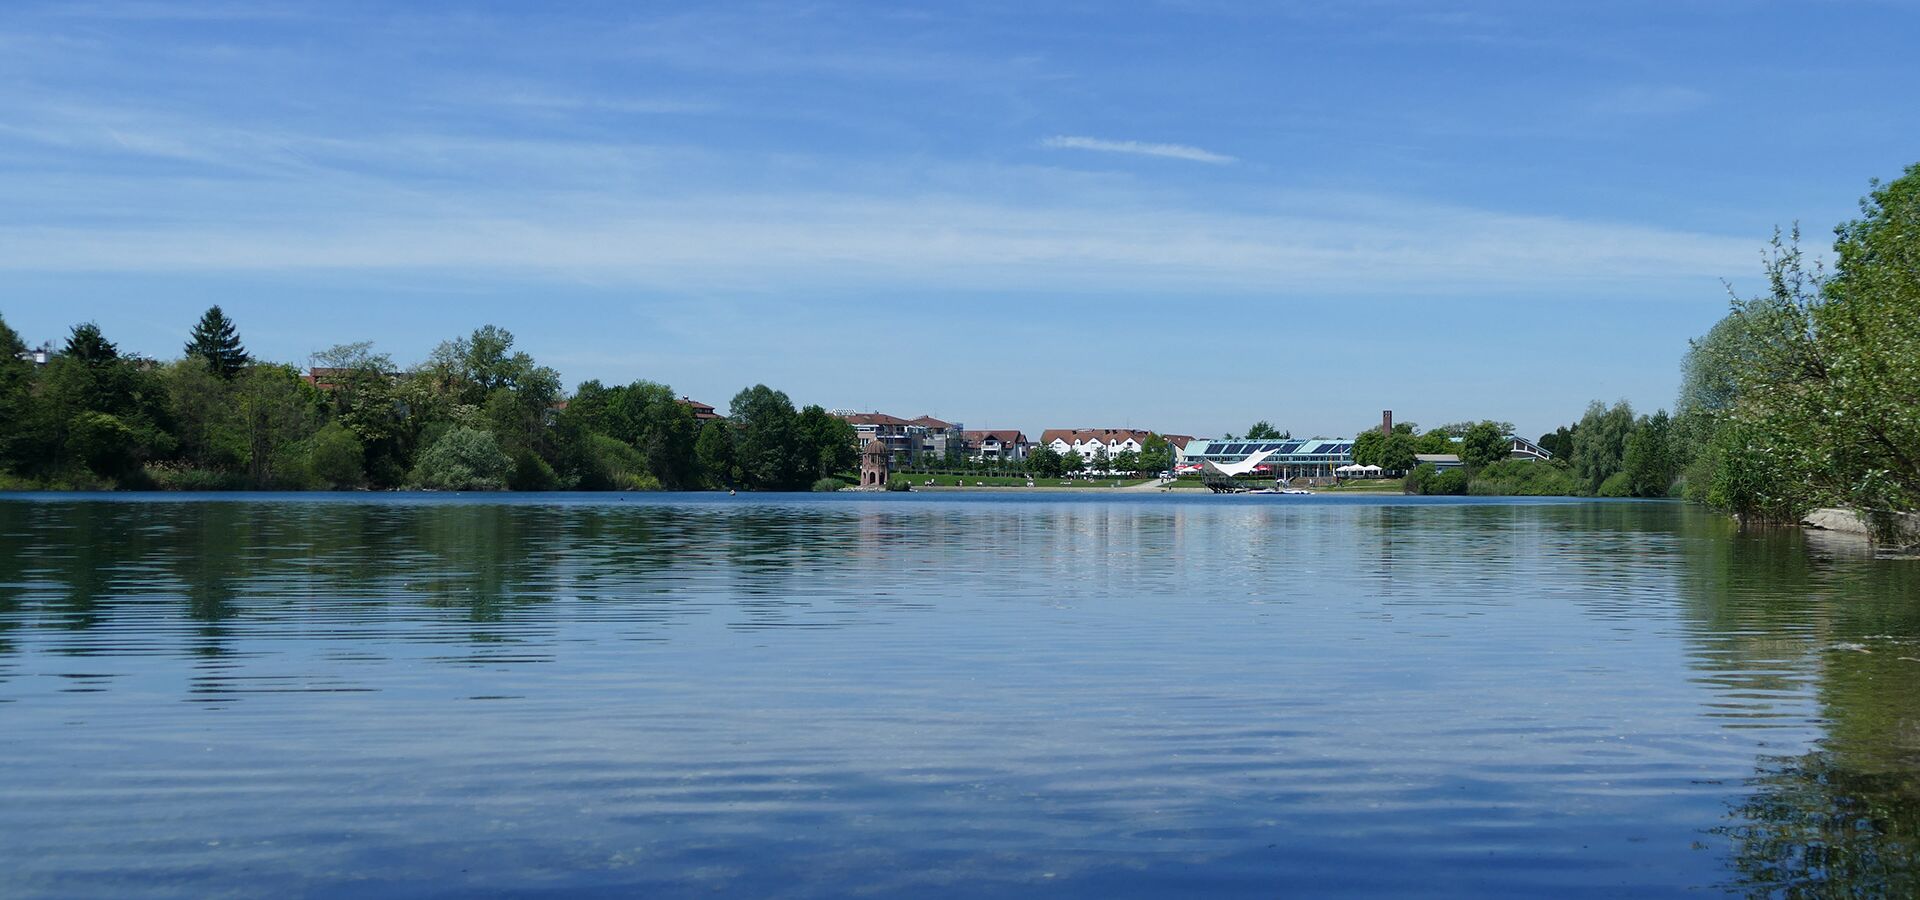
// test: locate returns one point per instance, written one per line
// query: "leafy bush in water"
(531, 473)
(1755, 474)
(1524, 478)
(899, 483)
(618, 467)
(1619, 484)
(828, 485)
(334, 458)
(464, 459)
(103, 442)
(1452, 481)
(1420, 478)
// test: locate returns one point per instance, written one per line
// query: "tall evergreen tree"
(215, 340)
(89, 346)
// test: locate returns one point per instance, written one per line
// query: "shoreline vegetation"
(1806, 396)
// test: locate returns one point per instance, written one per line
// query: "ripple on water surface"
(945, 696)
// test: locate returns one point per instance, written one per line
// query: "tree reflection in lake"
(1844, 818)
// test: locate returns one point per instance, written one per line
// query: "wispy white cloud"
(1138, 148)
(849, 241)
(176, 193)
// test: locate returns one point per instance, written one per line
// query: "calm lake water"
(928, 696)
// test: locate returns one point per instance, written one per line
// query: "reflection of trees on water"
(391, 572)
(330, 570)
(1844, 818)
(1818, 826)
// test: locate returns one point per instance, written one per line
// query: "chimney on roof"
(1386, 423)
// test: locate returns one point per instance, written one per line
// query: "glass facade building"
(1289, 458)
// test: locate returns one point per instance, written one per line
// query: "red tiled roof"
(324, 377)
(700, 410)
(1103, 435)
(932, 422)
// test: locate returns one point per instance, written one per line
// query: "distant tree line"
(1805, 395)
(1608, 453)
(476, 415)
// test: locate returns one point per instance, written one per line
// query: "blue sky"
(1179, 215)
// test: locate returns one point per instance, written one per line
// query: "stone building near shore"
(876, 465)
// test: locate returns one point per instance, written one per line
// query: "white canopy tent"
(1242, 467)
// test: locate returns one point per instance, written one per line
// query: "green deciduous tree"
(1435, 441)
(1559, 442)
(362, 393)
(1809, 393)
(1099, 461)
(826, 443)
(764, 439)
(481, 381)
(1045, 462)
(1367, 446)
(206, 421)
(648, 416)
(1396, 453)
(277, 410)
(714, 449)
(103, 443)
(336, 459)
(1264, 431)
(91, 377)
(1156, 454)
(1071, 462)
(1483, 444)
(1649, 462)
(1600, 442)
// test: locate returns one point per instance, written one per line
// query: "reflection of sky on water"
(920, 696)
